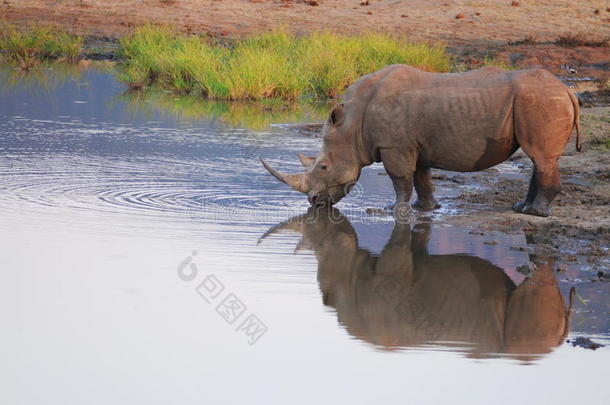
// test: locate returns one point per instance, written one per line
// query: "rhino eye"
(323, 167)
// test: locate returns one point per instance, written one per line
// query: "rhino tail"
(569, 311)
(576, 119)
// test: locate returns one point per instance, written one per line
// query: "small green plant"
(271, 65)
(490, 61)
(30, 47)
(68, 46)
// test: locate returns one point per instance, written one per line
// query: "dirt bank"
(452, 21)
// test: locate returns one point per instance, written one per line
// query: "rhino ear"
(337, 116)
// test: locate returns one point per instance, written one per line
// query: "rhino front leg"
(425, 189)
(403, 187)
(401, 171)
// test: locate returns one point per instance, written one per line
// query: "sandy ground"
(481, 21)
(488, 28)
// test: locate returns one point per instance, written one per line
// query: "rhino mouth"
(321, 200)
(330, 196)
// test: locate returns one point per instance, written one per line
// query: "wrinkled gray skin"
(413, 121)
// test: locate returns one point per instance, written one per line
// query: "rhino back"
(460, 122)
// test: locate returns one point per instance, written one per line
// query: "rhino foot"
(540, 212)
(532, 209)
(518, 207)
(426, 205)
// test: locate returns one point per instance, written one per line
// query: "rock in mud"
(585, 343)
(603, 275)
(524, 269)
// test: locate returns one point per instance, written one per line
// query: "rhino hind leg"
(544, 187)
(543, 119)
(422, 178)
(531, 194)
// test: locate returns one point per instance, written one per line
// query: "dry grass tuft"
(30, 47)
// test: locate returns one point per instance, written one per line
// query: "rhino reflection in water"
(406, 297)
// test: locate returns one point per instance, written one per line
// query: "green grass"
(31, 47)
(271, 65)
(489, 61)
(461, 66)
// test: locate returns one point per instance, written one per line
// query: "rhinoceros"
(405, 296)
(413, 121)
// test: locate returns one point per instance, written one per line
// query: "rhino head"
(333, 173)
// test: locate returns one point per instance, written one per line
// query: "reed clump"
(271, 65)
(29, 48)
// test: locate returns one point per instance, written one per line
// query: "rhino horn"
(297, 181)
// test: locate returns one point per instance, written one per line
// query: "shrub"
(31, 47)
(271, 65)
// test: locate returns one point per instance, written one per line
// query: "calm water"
(147, 257)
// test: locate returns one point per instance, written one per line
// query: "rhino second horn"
(296, 181)
(306, 161)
